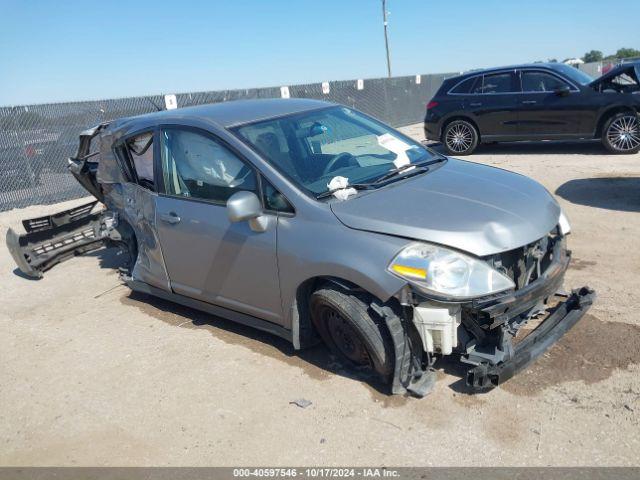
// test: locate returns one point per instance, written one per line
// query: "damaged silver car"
(315, 222)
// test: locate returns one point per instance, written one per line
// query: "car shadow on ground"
(590, 147)
(612, 193)
(317, 361)
(451, 365)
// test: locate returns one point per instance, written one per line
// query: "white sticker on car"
(397, 146)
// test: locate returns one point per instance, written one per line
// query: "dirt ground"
(92, 374)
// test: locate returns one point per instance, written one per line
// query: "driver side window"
(540, 82)
(197, 166)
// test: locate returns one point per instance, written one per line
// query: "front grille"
(525, 264)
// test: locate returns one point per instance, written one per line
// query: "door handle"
(529, 102)
(475, 104)
(171, 218)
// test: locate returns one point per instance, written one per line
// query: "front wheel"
(351, 331)
(460, 138)
(621, 133)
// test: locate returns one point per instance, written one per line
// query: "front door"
(493, 104)
(208, 257)
(545, 113)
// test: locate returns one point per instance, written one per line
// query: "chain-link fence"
(36, 140)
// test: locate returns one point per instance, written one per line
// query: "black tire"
(352, 331)
(460, 137)
(621, 133)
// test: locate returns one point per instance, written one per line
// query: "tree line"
(598, 56)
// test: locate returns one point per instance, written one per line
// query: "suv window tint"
(465, 86)
(194, 165)
(541, 82)
(140, 150)
(495, 83)
(273, 199)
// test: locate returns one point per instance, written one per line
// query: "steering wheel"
(331, 166)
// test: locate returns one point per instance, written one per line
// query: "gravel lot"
(92, 374)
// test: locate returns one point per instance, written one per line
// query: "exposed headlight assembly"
(447, 274)
(563, 223)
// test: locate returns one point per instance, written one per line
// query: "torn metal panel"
(109, 170)
(140, 213)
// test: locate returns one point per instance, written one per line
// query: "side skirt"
(537, 137)
(225, 313)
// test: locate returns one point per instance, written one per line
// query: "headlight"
(563, 222)
(446, 273)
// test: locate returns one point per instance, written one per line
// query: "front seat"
(269, 145)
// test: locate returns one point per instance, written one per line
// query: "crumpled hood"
(617, 70)
(471, 207)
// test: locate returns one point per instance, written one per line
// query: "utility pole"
(386, 37)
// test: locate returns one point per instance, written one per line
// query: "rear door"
(544, 112)
(208, 257)
(493, 103)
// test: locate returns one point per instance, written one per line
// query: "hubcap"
(345, 338)
(624, 133)
(459, 138)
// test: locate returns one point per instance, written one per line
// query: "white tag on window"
(396, 146)
(170, 102)
(284, 92)
(418, 79)
(360, 84)
(325, 88)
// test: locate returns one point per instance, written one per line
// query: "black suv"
(541, 101)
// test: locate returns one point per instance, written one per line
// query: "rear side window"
(496, 83)
(141, 149)
(465, 86)
(136, 159)
(541, 82)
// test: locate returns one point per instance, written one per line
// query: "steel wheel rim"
(459, 138)
(345, 338)
(624, 133)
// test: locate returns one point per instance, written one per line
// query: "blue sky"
(71, 50)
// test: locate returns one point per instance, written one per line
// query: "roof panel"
(234, 112)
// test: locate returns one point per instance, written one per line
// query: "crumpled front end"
(500, 335)
(508, 332)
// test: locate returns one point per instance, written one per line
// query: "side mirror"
(562, 91)
(243, 206)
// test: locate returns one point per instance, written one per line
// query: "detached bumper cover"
(536, 343)
(52, 239)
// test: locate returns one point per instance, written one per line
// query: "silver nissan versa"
(315, 222)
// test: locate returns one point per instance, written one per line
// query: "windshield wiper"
(419, 166)
(357, 186)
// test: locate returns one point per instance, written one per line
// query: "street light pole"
(386, 37)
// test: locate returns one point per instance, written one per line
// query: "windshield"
(314, 147)
(574, 74)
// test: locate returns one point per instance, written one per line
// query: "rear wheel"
(621, 133)
(460, 137)
(354, 334)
